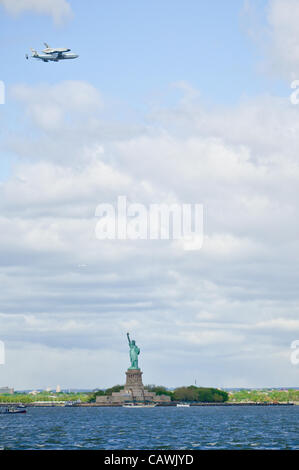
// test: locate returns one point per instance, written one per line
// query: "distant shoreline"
(164, 405)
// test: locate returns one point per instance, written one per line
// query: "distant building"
(58, 389)
(6, 391)
(34, 392)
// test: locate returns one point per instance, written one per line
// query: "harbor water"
(245, 427)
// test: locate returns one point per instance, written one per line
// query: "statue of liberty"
(134, 351)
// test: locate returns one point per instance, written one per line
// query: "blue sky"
(133, 50)
(169, 101)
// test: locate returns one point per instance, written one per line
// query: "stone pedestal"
(134, 379)
(133, 391)
(134, 384)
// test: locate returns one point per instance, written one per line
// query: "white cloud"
(211, 337)
(283, 17)
(274, 31)
(236, 299)
(59, 10)
(50, 106)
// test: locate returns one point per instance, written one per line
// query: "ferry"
(139, 405)
(72, 403)
(183, 405)
(13, 410)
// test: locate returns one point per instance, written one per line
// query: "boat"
(13, 410)
(183, 405)
(139, 405)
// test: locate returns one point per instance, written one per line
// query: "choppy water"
(152, 428)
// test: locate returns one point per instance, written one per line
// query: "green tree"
(200, 394)
(115, 388)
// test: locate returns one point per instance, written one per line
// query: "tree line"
(188, 394)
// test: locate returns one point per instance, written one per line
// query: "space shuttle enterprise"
(53, 54)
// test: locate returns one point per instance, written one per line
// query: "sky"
(172, 101)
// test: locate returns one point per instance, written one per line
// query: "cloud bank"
(217, 314)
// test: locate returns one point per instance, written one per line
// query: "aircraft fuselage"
(55, 57)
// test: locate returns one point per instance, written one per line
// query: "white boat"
(139, 405)
(183, 405)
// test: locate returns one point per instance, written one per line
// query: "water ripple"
(156, 428)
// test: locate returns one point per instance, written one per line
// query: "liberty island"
(133, 390)
(135, 393)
